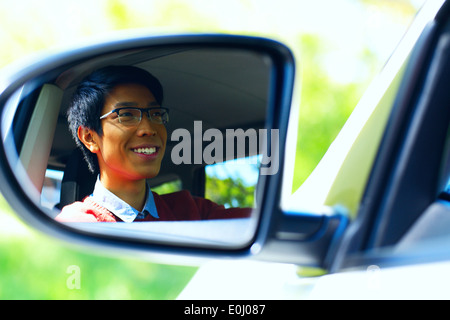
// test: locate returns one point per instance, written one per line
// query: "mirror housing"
(279, 99)
(300, 238)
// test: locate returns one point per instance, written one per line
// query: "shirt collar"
(120, 208)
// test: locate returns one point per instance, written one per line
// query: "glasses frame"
(142, 110)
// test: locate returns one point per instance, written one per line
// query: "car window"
(51, 191)
(233, 182)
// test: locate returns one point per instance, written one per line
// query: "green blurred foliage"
(43, 272)
(34, 266)
(325, 106)
(230, 192)
(168, 187)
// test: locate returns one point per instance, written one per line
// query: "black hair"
(89, 99)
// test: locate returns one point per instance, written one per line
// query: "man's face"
(130, 152)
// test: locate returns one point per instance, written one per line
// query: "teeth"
(145, 150)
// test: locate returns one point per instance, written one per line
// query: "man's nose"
(146, 126)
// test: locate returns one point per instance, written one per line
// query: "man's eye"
(129, 113)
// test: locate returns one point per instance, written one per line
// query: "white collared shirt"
(120, 208)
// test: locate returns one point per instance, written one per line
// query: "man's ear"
(88, 138)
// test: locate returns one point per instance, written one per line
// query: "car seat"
(78, 181)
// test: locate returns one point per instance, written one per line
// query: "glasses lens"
(129, 116)
(132, 116)
(159, 116)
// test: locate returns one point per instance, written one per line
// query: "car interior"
(209, 85)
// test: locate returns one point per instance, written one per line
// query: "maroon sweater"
(175, 206)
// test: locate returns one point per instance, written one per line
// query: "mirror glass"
(201, 150)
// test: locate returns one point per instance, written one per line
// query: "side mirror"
(229, 100)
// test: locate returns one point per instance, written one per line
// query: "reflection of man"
(117, 120)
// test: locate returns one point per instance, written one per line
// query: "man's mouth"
(146, 150)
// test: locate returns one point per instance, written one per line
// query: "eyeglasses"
(130, 116)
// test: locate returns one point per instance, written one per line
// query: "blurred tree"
(230, 192)
(325, 106)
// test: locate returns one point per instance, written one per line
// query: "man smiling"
(117, 120)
